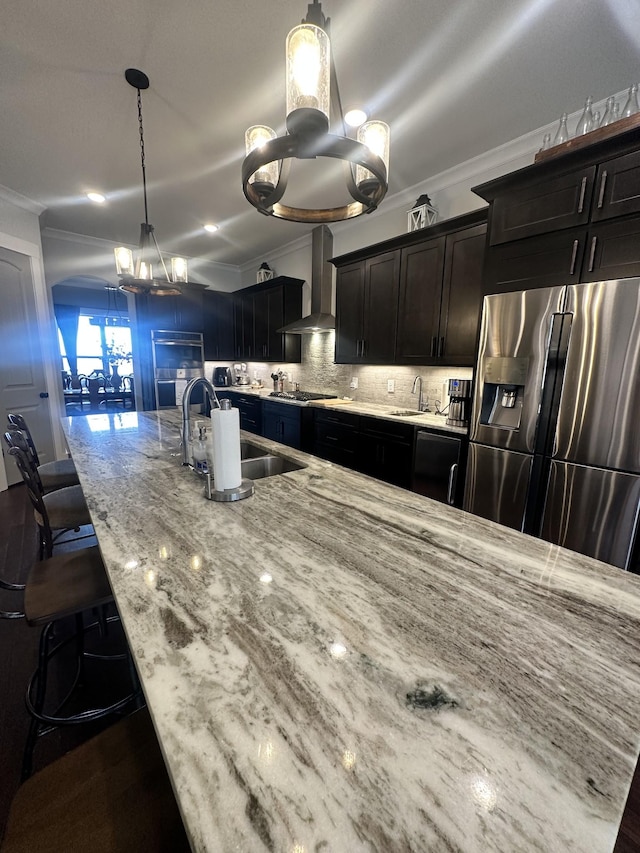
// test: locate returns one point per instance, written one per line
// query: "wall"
(319, 373)
(20, 232)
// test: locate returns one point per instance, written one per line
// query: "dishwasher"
(437, 461)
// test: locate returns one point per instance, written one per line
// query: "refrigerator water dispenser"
(504, 381)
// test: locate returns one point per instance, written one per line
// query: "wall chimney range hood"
(321, 319)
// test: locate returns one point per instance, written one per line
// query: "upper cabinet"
(366, 310)
(259, 311)
(218, 326)
(418, 302)
(571, 218)
(182, 313)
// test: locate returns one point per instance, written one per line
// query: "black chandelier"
(136, 275)
(312, 91)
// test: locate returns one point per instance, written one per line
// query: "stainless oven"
(177, 358)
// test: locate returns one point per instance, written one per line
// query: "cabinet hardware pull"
(574, 253)
(583, 188)
(433, 346)
(441, 347)
(603, 183)
(358, 348)
(592, 253)
(364, 342)
(452, 479)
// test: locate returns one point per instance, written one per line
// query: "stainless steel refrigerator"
(555, 435)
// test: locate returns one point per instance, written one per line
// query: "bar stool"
(67, 585)
(62, 510)
(54, 475)
(112, 794)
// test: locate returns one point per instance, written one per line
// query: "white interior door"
(22, 379)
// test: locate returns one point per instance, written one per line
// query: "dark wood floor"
(18, 654)
(18, 651)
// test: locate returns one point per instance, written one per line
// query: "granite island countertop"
(337, 664)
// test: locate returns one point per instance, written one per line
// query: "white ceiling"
(453, 78)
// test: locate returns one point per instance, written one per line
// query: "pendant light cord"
(144, 171)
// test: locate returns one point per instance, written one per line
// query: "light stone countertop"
(336, 664)
(428, 420)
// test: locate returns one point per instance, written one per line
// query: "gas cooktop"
(301, 396)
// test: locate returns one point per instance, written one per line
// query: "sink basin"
(251, 451)
(405, 413)
(267, 466)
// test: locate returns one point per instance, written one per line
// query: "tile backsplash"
(318, 372)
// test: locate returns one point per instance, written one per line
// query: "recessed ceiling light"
(97, 197)
(354, 118)
(211, 228)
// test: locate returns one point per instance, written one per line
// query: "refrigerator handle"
(553, 379)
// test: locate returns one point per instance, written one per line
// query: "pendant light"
(312, 97)
(136, 274)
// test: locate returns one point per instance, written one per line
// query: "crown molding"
(28, 204)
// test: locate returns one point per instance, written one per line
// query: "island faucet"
(186, 428)
(422, 407)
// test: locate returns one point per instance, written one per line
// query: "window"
(101, 345)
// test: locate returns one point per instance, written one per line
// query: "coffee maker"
(459, 402)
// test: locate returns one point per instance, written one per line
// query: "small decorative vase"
(116, 379)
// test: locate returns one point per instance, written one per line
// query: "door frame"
(46, 328)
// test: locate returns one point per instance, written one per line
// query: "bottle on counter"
(199, 449)
(609, 112)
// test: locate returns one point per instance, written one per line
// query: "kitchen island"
(335, 664)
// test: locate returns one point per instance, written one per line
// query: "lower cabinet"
(385, 450)
(336, 437)
(250, 408)
(282, 422)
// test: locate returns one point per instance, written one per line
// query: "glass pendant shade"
(308, 69)
(375, 135)
(266, 177)
(124, 260)
(179, 269)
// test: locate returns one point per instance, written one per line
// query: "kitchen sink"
(405, 413)
(267, 466)
(251, 451)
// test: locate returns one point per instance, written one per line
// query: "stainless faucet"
(422, 407)
(186, 428)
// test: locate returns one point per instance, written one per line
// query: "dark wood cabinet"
(420, 302)
(612, 250)
(562, 201)
(415, 299)
(385, 450)
(282, 422)
(441, 299)
(617, 188)
(546, 261)
(250, 408)
(366, 309)
(532, 239)
(182, 313)
(218, 326)
(259, 312)
(336, 437)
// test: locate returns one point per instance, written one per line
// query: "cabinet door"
(380, 309)
(386, 459)
(261, 324)
(461, 296)
(545, 206)
(336, 437)
(349, 313)
(613, 251)
(419, 302)
(540, 262)
(189, 310)
(244, 335)
(218, 326)
(617, 188)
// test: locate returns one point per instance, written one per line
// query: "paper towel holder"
(244, 490)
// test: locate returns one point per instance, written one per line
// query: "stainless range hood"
(321, 319)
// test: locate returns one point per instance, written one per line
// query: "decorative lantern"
(264, 273)
(422, 213)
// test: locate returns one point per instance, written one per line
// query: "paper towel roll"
(227, 471)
